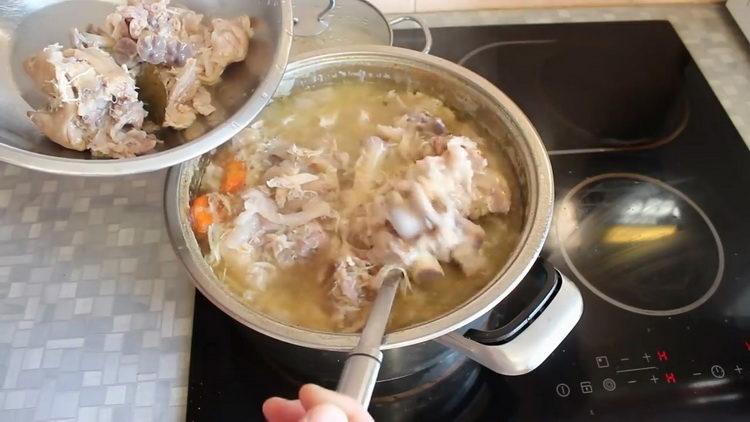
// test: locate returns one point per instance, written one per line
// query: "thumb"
(325, 413)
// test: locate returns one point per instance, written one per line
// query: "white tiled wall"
(395, 6)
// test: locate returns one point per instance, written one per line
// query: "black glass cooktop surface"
(651, 222)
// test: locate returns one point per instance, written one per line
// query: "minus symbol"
(632, 382)
(624, 359)
(697, 373)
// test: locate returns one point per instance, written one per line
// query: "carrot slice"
(234, 176)
(200, 215)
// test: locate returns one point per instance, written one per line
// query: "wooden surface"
(406, 6)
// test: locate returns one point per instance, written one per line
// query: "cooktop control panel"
(657, 368)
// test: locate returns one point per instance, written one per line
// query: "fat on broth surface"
(296, 294)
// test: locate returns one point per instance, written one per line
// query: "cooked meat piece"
(427, 209)
(227, 43)
(188, 52)
(87, 39)
(406, 221)
(469, 258)
(116, 80)
(60, 126)
(247, 228)
(291, 182)
(116, 25)
(417, 134)
(49, 69)
(437, 145)
(186, 97)
(492, 195)
(385, 247)
(299, 174)
(355, 282)
(351, 275)
(202, 101)
(263, 212)
(258, 202)
(366, 170)
(391, 133)
(117, 144)
(161, 34)
(425, 122)
(125, 52)
(426, 268)
(93, 103)
(468, 253)
(290, 246)
(160, 49)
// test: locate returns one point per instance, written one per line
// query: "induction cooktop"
(651, 222)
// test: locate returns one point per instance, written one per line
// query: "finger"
(277, 409)
(325, 413)
(311, 395)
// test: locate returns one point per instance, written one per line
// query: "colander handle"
(523, 344)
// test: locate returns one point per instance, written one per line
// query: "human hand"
(315, 404)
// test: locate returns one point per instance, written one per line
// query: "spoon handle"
(359, 377)
(363, 363)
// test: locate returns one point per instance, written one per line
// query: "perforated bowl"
(28, 26)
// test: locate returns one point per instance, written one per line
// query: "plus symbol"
(647, 357)
(654, 379)
(738, 369)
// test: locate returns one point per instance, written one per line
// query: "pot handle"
(521, 345)
(422, 26)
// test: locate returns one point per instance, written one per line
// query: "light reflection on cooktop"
(640, 244)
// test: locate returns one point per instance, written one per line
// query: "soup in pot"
(303, 212)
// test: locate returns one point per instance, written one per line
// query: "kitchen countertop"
(95, 308)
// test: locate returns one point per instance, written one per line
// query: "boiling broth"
(312, 118)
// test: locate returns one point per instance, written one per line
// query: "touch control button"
(562, 390)
(602, 362)
(586, 387)
(609, 384)
(717, 371)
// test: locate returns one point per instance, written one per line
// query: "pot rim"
(539, 215)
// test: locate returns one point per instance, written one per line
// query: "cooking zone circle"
(640, 244)
(641, 113)
(650, 106)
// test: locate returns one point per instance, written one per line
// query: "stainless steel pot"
(512, 352)
(28, 26)
(322, 24)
